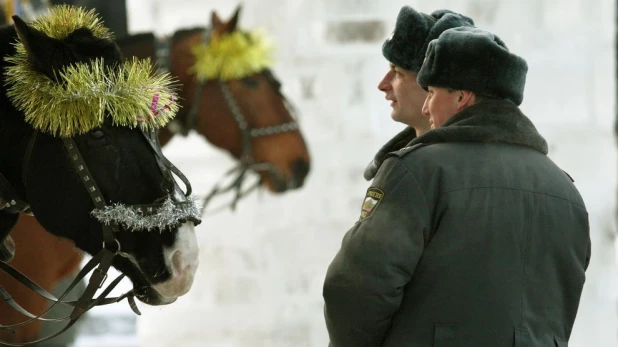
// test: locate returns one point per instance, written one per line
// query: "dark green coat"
(478, 239)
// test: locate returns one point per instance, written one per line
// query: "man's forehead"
(395, 66)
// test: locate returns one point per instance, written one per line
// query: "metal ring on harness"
(118, 250)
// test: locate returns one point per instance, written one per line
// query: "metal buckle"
(104, 277)
(117, 244)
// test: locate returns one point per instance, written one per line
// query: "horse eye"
(97, 134)
(250, 82)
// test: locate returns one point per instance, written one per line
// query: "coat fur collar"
(489, 121)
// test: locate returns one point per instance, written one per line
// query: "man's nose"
(425, 109)
(385, 83)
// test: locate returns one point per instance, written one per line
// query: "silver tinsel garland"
(136, 218)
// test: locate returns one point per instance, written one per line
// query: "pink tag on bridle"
(154, 107)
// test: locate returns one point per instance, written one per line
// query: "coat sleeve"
(364, 283)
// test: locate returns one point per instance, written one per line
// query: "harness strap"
(191, 119)
(165, 164)
(99, 275)
(72, 319)
(42, 292)
(98, 259)
(104, 259)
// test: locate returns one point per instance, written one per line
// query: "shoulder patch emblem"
(371, 202)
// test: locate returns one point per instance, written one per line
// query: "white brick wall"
(262, 268)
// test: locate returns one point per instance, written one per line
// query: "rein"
(247, 162)
(103, 260)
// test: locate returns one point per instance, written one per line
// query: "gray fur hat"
(467, 58)
(414, 30)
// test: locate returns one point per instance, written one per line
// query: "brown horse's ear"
(44, 53)
(233, 23)
(215, 21)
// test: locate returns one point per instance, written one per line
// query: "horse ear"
(215, 21)
(233, 23)
(44, 52)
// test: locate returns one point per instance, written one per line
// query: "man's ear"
(465, 98)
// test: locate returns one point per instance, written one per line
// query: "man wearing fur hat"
(405, 50)
(471, 235)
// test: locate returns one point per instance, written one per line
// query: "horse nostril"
(300, 169)
(177, 263)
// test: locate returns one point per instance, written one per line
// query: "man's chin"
(398, 119)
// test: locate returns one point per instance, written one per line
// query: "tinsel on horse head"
(131, 93)
(235, 55)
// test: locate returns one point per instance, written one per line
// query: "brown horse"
(268, 138)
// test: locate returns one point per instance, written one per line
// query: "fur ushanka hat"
(414, 30)
(468, 58)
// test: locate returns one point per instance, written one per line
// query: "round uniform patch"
(371, 202)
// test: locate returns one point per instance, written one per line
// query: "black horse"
(42, 172)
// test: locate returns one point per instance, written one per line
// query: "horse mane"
(149, 36)
(134, 39)
(184, 32)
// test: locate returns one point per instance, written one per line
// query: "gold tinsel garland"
(233, 55)
(64, 19)
(131, 94)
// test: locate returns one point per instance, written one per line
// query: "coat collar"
(490, 121)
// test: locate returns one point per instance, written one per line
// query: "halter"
(247, 162)
(110, 246)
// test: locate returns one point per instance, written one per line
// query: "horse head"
(236, 102)
(87, 163)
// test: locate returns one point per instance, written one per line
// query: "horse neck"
(140, 45)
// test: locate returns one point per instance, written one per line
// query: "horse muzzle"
(182, 260)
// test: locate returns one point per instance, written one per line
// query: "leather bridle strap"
(100, 274)
(79, 307)
(191, 119)
(164, 163)
(92, 189)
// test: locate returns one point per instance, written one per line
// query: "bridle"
(246, 163)
(103, 260)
